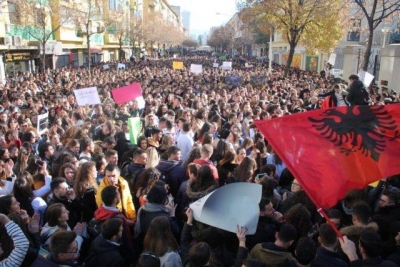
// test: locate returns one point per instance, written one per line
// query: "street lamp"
(385, 31)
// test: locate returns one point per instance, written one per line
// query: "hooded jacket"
(271, 255)
(48, 231)
(353, 233)
(107, 253)
(126, 203)
(104, 213)
(174, 174)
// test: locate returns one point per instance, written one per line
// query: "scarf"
(148, 207)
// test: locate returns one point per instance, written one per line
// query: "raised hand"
(241, 233)
(189, 214)
(79, 228)
(33, 225)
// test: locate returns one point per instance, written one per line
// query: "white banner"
(366, 78)
(220, 207)
(121, 66)
(226, 65)
(332, 59)
(87, 96)
(197, 69)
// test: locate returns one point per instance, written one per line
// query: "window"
(112, 4)
(354, 34)
(12, 10)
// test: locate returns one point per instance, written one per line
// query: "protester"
(17, 255)
(197, 135)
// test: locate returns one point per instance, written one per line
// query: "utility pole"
(358, 59)
(270, 51)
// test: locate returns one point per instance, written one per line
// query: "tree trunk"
(290, 58)
(89, 56)
(120, 49)
(367, 53)
(44, 56)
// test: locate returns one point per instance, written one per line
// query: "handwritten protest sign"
(87, 96)
(220, 207)
(128, 93)
(234, 80)
(177, 65)
(366, 77)
(121, 66)
(196, 69)
(42, 122)
(226, 65)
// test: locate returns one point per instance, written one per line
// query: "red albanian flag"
(333, 150)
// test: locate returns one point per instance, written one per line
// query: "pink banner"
(127, 93)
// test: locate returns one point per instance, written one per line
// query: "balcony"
(353, 36)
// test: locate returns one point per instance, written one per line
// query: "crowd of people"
(81, 194)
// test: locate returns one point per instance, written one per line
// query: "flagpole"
(329, 222)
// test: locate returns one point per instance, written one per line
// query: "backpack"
(131, 177)
(94, 226)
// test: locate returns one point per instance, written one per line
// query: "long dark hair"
(5, 204)
(23, 191)
(204, 180)
(159, 238)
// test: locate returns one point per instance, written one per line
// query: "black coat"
(89, 205)
(266, 229)
(326, 258)
(356, 94)
(107, 253)
(384, 218)
(122, 146)
(74, 208)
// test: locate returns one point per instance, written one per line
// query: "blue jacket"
(174, 174)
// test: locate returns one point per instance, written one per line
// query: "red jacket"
(103, 214)
(203, 162)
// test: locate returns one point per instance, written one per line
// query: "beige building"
(67, 44)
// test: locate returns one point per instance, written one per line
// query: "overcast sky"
(203, 13)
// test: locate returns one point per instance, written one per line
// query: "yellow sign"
(296, 62)
(177, 65)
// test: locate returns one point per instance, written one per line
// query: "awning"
(95, 50)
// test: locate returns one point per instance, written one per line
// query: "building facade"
(68, 23)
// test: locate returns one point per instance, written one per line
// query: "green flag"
(135, 127)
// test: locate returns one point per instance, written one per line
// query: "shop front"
(19, 61)
(96, 55)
